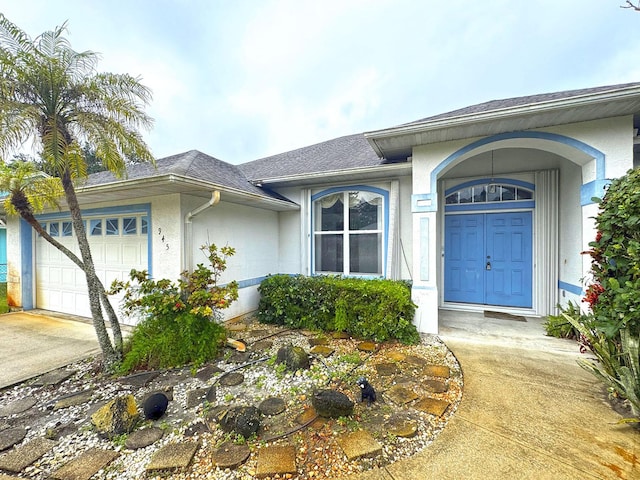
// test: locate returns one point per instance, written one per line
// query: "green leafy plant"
(375, 309)
(558, 326)
(179, 321)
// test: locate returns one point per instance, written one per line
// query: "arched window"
(488, 193)
(348, 228)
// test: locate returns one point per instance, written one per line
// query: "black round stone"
(155, 406)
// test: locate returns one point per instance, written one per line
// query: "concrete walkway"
(528, 412)
(33, 343)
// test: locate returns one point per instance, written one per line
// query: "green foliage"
(179, 321)
(4, 307)
(558, 326)
(613, 296)
(367, 308)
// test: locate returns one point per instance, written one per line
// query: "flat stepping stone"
(229, 455)
(436, 371)
(322, 350)
(401, 395)
(17, 406)
(21, 457)
(432, 406)
(318, 341)
(340, 335)
(435, 386)
(402, 427)
(207, 372)
(239, 357)
(306, 416)
(196, 397)
(386, 369)
(231, 379)
(272, 406)
(85, 465)
(143, 438)
(9, 477)
(258, 332)
(78, 398)
(236, 327)
(139, 379)
(53, 378)
(11, 436)
(173, 456)
(276, 460)
(359, 444)
(414, 360)
(367, 346)
(396, 356)
(262, 345)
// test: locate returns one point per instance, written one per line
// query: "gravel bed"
(317, 453)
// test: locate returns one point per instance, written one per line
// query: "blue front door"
(488, 259)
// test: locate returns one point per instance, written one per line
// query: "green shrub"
(371, 309)
(179, 322)
(558, 326)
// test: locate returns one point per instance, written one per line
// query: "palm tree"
(53, 96)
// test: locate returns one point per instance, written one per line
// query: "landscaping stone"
(318, 341)
(196, 397)
(196, 429)
(62, 430)
(85, 465)
(4, 425)
(173, 456)
(322, 350)
(155, 406)
(359, 444)
(332, 404)
(272, 406)
(22, 456)
(400, 395)
(294, 357)
(435, 386)
(230, 455)
(258, 332)
(239, 357)
(77, 398)
(386, 369)
(231, 379)
(308, 415)
(205, 374)
(139, 379)
(143, 438)
(211, 394)
(53, 378)
(262, 345)
(396, 356)
(242, 420)
(340, 335)
(11, 436)
(236, 327)
(276, 460)
(436, 371)
(367, 346)
(432, 406)
(402, 427)
(9, 477)
(17, 406)
(117, 417)
(414, 360)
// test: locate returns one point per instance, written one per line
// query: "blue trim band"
(594, 153)
(575, 289)
(118, 210)
(467, 207)
(251, 282)
(365, 188)
(597, 188)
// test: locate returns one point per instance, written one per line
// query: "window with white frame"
(348, 233)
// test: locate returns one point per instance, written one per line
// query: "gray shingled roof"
(521, 101)
(352, 151)
(193, 164)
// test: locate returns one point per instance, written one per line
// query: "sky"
(245, 79)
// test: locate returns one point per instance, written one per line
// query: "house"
(486, 207)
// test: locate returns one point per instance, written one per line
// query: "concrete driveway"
(35, 343)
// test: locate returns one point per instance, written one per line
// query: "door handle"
(488, 265)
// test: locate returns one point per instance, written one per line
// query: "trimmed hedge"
(375, 309)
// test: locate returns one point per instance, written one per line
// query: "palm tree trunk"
(110, 356)
(22, 206)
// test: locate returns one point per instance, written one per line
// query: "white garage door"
(118, 244)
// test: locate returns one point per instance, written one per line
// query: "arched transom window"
(348, 233)
(488, 193)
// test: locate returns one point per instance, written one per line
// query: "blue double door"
(488, 259)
